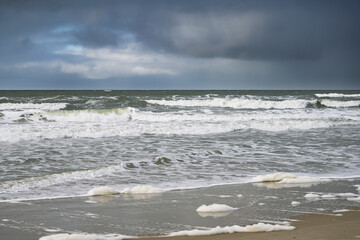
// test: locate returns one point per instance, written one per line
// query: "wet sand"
(312, 226)
(154, 214)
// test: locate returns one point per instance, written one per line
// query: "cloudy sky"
(187, 44)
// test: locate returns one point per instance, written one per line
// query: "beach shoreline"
(332, 215)
(344, 225)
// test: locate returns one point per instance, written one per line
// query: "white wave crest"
(239, 103)
(91, 115)
(215, 208)
(357, 199)
(336, 104)
(312, 196)
(132, 122)
(38, 106)
(55, 179)
(259, 227)
(336, 95)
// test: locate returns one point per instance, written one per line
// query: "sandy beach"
(343, 225)
(332, 215)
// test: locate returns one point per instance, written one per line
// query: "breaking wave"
(337, 104)
(91, 115)
(238, 103)
(132, 122)
(336, 95)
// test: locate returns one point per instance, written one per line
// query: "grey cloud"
(93, 37)
(302, 40)
(260, 30)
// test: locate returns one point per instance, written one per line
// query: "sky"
(187, 44)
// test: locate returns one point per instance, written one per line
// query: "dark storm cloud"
(285, 30)
(313, 39)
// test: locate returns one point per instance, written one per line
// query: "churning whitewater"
(66, 143)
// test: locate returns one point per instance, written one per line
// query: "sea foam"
(239, 103)
(295, 203)
(91, 115)
(142, 189)
(336, 104)
(336, 95)
(215, 208)
(259, 227)
(287, 178)
(275, 177)
(104, 190)
(84, 236)
(311, 196)
(355, 199)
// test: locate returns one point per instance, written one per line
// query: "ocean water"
(61, 144)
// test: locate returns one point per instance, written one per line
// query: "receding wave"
(56, 179)
(238, 103)
(39, 106)
(336, 95)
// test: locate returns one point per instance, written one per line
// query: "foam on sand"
(104, 190)
(341, 210)
(215, 208)
(142, 189)
(83, 236)
(259, 227)
(214, 214)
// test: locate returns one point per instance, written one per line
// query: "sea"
(162, 146)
